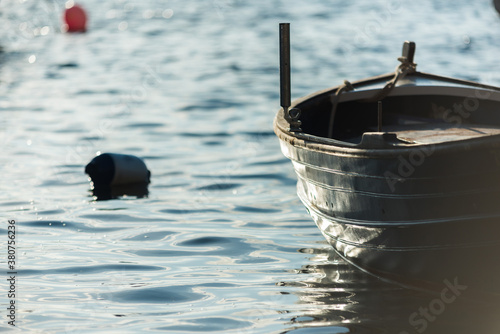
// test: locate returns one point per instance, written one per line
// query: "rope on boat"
(334, 98)
(406, 67)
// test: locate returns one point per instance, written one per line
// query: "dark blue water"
(221, 243)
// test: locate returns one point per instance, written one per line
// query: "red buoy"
(75, 18)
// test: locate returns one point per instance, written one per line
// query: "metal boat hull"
(435, 227)
(419, 212)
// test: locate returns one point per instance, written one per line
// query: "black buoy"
(115, 175)
(496, 3)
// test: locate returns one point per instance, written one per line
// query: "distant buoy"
(114, 175)
(112, 169)
(75, 18)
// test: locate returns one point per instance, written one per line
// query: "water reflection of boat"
(335, 297)
(401, 172)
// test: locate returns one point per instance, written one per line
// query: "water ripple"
(157, 295)
(210, 324)
(80, 227)
(154, 235)
(252, 209)
(220, 186)
(89, 269)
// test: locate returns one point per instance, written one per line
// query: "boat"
(401, 172)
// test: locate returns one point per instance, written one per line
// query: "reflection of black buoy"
(103, 193)
(114, 175)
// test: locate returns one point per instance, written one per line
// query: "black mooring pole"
(285, 94)
(292, 116)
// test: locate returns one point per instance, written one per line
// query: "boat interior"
(415, 119)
